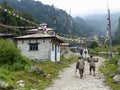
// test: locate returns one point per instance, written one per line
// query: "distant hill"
(65, 24)
(116, 37)
(99, 22)
(85, 26)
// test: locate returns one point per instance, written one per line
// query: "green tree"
(93, 44)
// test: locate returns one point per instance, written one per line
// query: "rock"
(48, 75)
(116, 79)
(111, 75)
(3, 84)
(39, 81)
(118, 62)
(118, 70)
(21, 83)
(36, 69)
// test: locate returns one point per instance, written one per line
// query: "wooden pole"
(109, 28)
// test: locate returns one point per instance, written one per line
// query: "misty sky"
(84, 7)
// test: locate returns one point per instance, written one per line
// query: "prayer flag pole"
(109, 28)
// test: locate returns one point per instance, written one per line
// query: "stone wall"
(43, 52)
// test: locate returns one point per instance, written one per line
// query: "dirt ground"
(69, 80)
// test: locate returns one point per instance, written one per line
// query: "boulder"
(116, 79)
(111, 75)
(3, 84)
(36, 69)
(21, 83)
(118, 70)
(118, 62)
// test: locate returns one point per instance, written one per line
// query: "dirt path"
(68, 80)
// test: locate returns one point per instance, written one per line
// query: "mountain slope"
(99, 22)
(65, 24)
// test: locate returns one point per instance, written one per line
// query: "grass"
(111, 69)
(34, 80)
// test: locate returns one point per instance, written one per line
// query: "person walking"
(80, 66)
(81, 52)
(92, 62)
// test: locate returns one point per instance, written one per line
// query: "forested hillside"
(8, 18)
(56, 18)
(61, 21)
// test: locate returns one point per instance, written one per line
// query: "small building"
(40, 47)
(40, 30)
(64, 46)
(7, 36)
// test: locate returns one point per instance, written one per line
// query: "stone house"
(40, 47)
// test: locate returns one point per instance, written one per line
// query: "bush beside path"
(69, 80)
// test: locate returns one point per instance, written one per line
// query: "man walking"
(92, 64)
(80, 66)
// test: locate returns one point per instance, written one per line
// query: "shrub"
(8, 52)
(10, 56)
(93, 44)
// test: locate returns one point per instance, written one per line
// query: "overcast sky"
(84, 7)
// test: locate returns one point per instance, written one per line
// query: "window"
(33, 46)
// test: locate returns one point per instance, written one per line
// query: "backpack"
(80, 65)
(92, 62)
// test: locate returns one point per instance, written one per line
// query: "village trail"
(69, 80)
